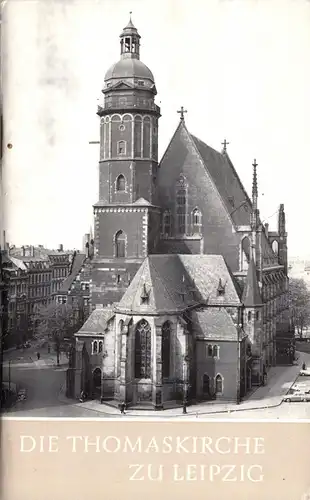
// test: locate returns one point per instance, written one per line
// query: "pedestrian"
(122, 407)
(303, 366)
(38, 355)
(184, 407)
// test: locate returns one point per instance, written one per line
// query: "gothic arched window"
(245, 254)
(197, 220)
(143, 350)
(165, 348)
(275, 247)
(218, 384)
(215, 351)
(210, 350)
(181, 206)
(120, 183)
(95, 347)
(120, 244)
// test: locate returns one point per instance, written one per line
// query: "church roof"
(175, 282)
(129, 68)
(215, 324)
(97, 322)
(251, 294)
(226, 180)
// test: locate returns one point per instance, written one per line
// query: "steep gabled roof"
(227, 182)
(215, 324)
(251, 294)
(77, 264)
(97, 322)
(175, 282)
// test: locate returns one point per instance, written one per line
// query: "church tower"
(127, 220)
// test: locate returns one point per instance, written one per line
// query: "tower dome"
(129, 66)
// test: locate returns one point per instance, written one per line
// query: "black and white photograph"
(155, 250)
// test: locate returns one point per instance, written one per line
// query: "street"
(44, 383)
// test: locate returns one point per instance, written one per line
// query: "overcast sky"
(240, 68)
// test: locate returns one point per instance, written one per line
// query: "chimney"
(23, 251)
(60, 248)
(32, 251)
(266, 229)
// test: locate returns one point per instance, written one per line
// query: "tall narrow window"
(121, 148)
(218, 384)
(181, 196)
(120, 244)
(143, 350)
(166, 223)
(197, 221)
(165, 348)
(120, 183)
(245, 254)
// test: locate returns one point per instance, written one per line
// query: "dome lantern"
(130, 41)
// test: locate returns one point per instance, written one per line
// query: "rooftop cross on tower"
(224, 144)
(182, 111)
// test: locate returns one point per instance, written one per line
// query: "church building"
(189, 289)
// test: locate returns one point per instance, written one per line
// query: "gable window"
(210, 350)
(218, 384)
(143, 350)
(166, 223)
(165, 348)
(120, 244)
(100, 346)
(197, 220)
(120, 183)
(121, 147)
(181, 206)
(216, 351)
(95, 347)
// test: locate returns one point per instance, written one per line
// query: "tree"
(299, 297)
(55, 322)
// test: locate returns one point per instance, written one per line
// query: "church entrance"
(206, 387)
(96, 383)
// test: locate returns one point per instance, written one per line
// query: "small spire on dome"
(130, 24)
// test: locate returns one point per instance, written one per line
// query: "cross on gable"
(254, 164)
(182, 111)
(224, 144)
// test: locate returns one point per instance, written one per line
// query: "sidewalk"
(280, 380)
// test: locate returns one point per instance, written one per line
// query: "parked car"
(305, 373)
(297, 397)
(22, 395)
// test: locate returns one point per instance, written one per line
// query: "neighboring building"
(182, 264)
(75, 289)
(17, 280)
(60, 263)
(31, 273)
